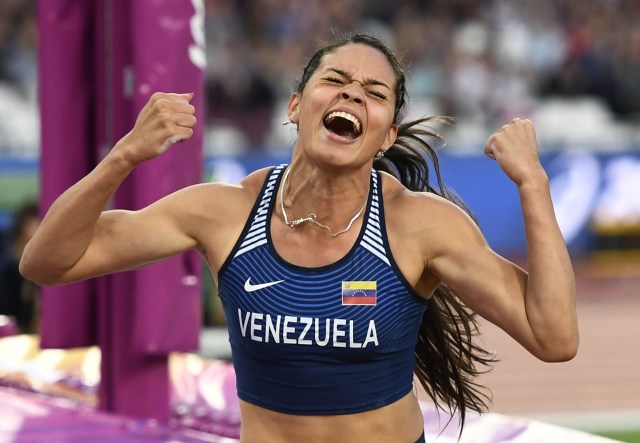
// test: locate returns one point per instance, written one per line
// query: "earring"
(288, 122)
(379, 155)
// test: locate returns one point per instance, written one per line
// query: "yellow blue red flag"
(359, 293)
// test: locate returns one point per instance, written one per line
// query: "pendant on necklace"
(311, 218)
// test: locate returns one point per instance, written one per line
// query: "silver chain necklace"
(311, 218)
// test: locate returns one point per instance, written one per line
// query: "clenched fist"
(515, 148)
(164, 120)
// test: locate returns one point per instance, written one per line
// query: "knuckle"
(166, 120)
(162, 105)
(156, 96)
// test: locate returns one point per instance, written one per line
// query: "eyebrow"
(368, 81)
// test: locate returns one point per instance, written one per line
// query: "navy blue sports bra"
(335, 339)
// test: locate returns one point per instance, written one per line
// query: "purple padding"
(204, 395)
(204, 398)
(26, 417)
(204, 408)
(497, 428)
(8, 327)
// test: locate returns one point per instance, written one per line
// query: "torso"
(302, 247)
(397, 422)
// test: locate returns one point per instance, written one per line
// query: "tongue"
(342, 127)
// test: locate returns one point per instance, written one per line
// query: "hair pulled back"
(447, 358)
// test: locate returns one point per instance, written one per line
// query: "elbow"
(560, 351)
(29, 271)
(33, 271)
(26, 268)
(559, 356)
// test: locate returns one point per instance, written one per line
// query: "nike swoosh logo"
(250, 288)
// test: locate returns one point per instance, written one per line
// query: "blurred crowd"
(19, 124)
(18, 296)
(571, 65)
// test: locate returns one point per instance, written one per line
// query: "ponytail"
(447, 359)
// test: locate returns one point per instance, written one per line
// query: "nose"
(352, 92)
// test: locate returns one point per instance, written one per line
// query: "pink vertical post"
(67, 77)
(150, 312)
(100, 62)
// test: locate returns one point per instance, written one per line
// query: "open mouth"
(343, 124)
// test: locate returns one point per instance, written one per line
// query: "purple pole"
(100, 61)
(155, 310)
(66, 88)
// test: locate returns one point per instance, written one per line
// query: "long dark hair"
(447, 358)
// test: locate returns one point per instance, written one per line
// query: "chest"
(358, 302)
(310, 246)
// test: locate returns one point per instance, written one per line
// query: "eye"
(378, 94)
(334, 80)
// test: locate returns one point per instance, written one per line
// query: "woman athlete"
(342, 273)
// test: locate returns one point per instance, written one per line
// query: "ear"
(293, 108)
(390, 139)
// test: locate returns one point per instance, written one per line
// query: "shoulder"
(213, 193)
(400, 202)
(430, 221)
(201, 205)
(215, 213)
(254, 181)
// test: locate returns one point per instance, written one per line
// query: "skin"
(29, 227)
(329, 176)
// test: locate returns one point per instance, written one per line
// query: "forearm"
(74, 221)
(67, 229)
(550, 289)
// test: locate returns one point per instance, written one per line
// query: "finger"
(188, 96)
(181, 107)
(180, 97)
(489, 153)
(507, 126)
(171, 96)
(490, 147)
(185, 120)
(530, 130)
(174, 106)
(519, 125)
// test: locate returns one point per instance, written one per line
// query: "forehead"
(359, 60)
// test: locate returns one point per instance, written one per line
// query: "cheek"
(315, 106)
(311, 112)
(381, 121)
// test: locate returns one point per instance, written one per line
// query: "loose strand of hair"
(448, 360)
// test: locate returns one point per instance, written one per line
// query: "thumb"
(489, 147)
(188, 96)
(168, 142)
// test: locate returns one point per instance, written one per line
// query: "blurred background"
(571, 66)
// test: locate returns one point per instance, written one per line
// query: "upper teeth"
(345, 115)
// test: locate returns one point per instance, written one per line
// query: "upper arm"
(490, 285)
(129, 239)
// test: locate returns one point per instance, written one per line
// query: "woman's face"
(345, 113)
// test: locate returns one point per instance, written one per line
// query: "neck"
(331, 185)
(322, 201)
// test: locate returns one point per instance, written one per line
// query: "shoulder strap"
(372, 240)
(256, 235)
